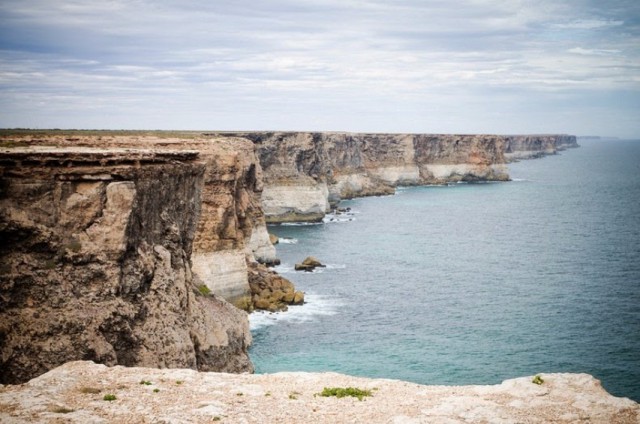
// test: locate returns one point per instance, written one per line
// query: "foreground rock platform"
(74, 393)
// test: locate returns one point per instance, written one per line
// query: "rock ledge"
(186, 396)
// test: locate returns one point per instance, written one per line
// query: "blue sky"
(436, 66)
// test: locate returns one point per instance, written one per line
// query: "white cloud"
(298, 64)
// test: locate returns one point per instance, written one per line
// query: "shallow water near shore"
(474, 283)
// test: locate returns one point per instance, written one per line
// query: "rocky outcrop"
(270, 291)
(75, 393)
(534, 146)
(307, 173)
(96, 263)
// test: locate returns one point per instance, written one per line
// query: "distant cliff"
(95, 263)
(306, 173)
(534, 146)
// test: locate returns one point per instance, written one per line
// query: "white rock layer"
(223, 272)
(278, 200)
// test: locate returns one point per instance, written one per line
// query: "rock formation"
(75, 393)
(534, 146)
(307, 173)
(96, 263)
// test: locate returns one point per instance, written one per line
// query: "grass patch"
(109, 397)
(146, 383)
(341, 392)
(537, 380)
(204, 290)
(90, 390)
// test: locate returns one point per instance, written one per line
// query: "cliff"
(75, 393)
(534, 146)
(96, 263)
(307, 173)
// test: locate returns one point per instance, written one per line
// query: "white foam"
(315, 306)
(339, 217)
(299, 224)
(286, 240)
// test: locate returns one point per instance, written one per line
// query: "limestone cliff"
(96, 263)
(306, 173)
(534, 146)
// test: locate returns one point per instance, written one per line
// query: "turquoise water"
(474, 283)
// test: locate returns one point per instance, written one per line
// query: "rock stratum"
(306, 174)
(125, 248)
(75, 393)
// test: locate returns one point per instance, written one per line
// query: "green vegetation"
(109, 397)
(204, 290)
(146, 383)
(62, 410)
(537, 380)
(294, 395)
(179, 382)
(156, 390)
(239, 394)
(90, 390)
(267, 394)
(341, 392)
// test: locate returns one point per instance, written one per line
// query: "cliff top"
(76, 392)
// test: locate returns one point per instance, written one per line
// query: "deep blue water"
(474, 283)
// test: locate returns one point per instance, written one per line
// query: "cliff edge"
(75, 393)
(305, 174)
(96, 263)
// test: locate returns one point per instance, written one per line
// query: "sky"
(420, 66)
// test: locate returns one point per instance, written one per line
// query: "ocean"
(473, 283)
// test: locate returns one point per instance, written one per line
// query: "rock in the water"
(273, 238)
(309, 264)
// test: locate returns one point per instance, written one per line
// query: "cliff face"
(96, 263)
(305, 173)
(535, 146)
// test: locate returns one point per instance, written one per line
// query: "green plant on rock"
(146, 383)
(156, 390)
(109, 397)
(537, 380)
(204, 290)
(341, 392)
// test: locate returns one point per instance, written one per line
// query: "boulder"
(273, 238)
(309, 264)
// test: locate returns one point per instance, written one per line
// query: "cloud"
(315, 64)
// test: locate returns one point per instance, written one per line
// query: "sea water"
(473, 283)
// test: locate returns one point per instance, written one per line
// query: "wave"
(299, 224)
(315, 306)
(287, 240)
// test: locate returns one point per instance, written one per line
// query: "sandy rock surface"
(74, 392)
